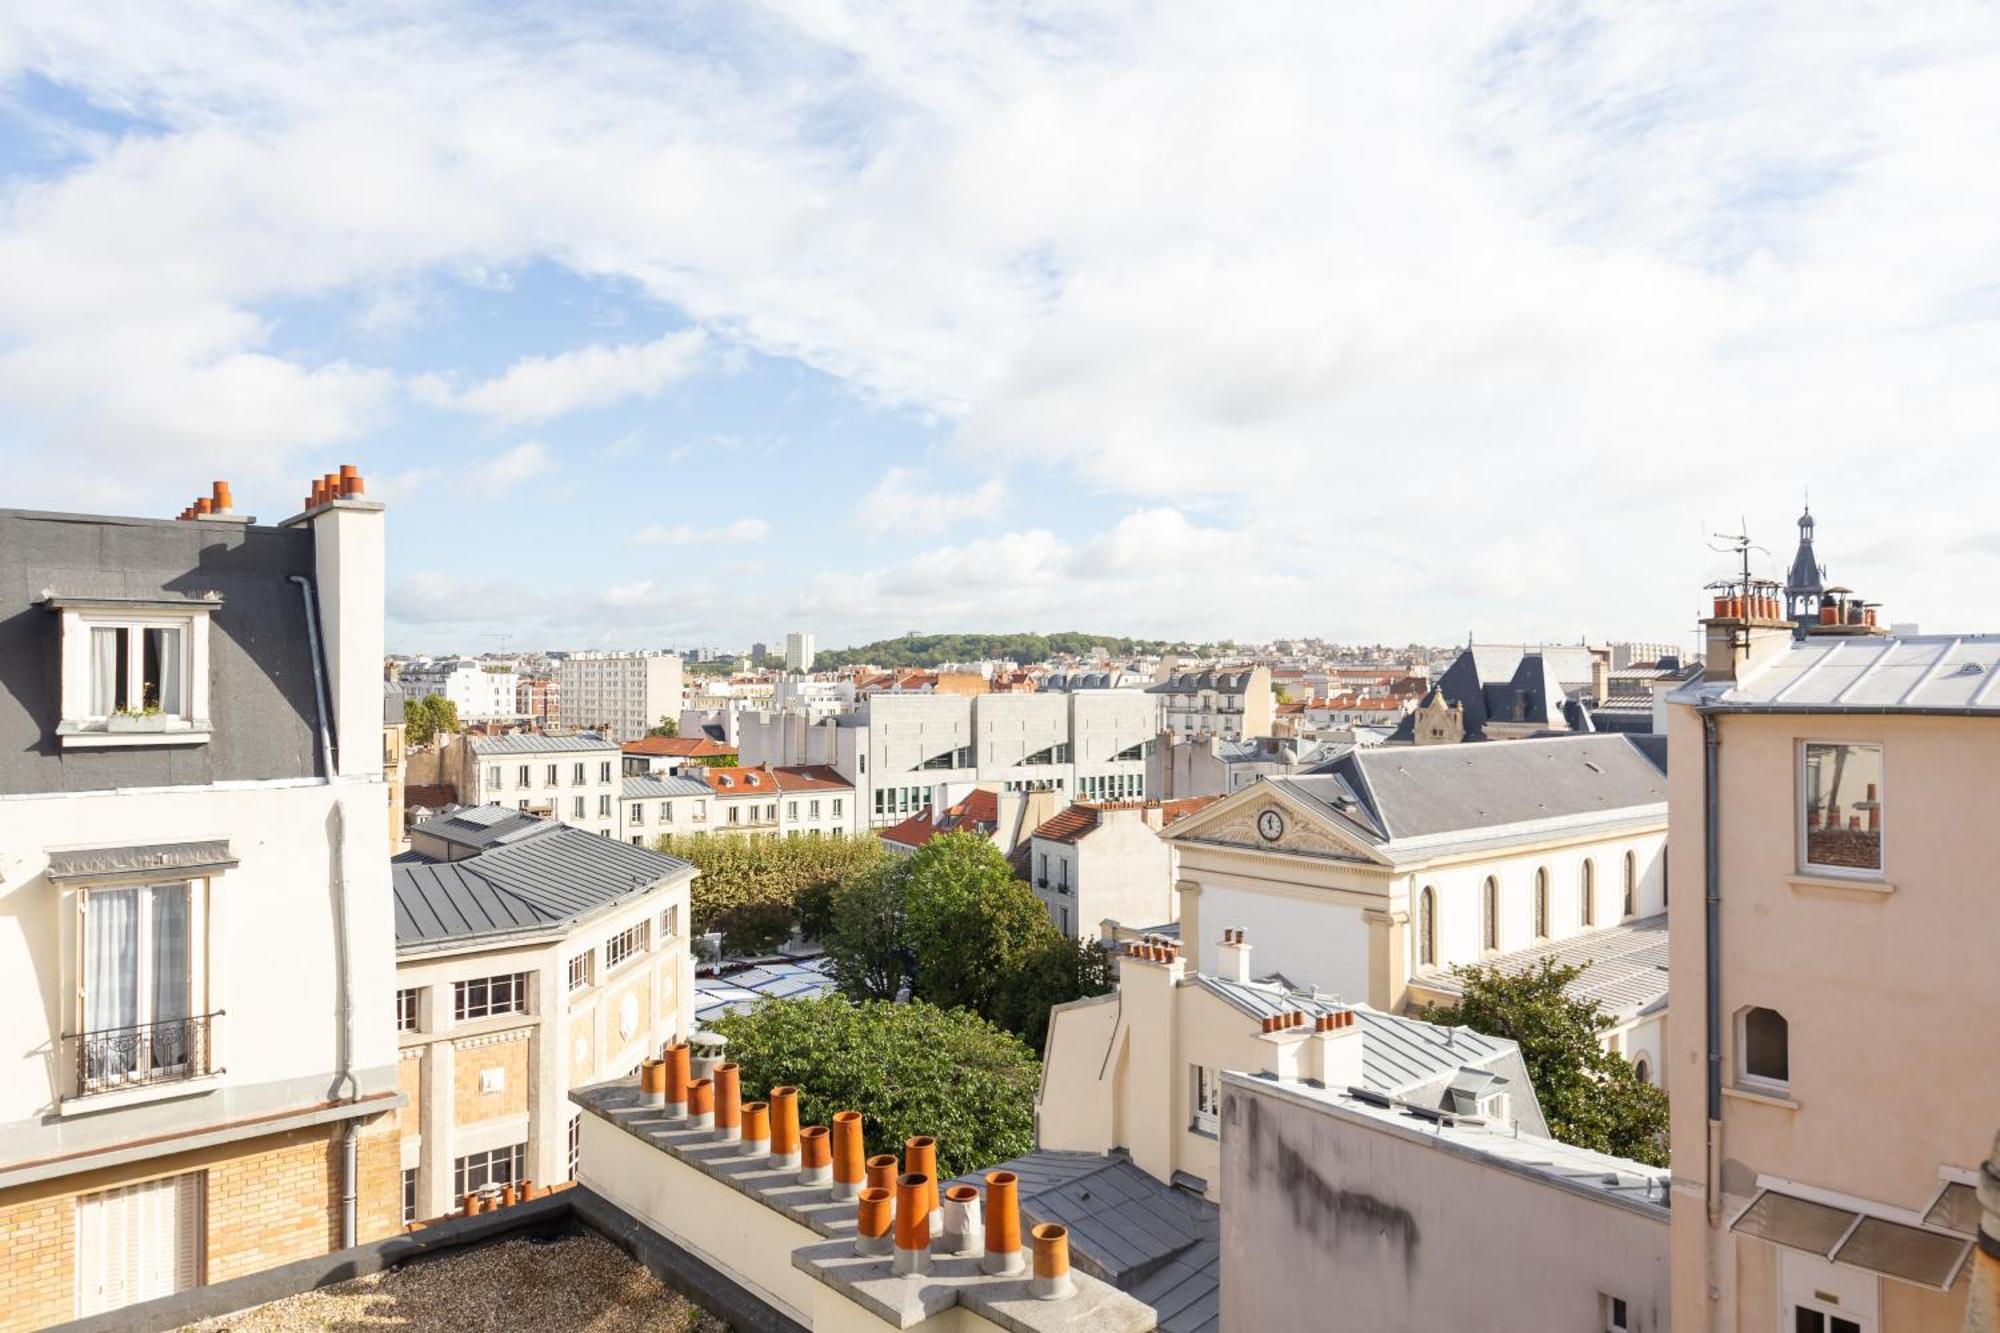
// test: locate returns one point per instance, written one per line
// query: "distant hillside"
(929, 650)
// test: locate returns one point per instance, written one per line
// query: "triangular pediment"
(1266, 817)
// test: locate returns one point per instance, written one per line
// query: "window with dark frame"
(406, 1010)
(1766, 1052)
(409, 1195)
(497, 1166)
(484, 997)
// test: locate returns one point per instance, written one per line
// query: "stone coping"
(955, 1279)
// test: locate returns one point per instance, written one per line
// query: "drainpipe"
(1711, 795)
(345, 1086)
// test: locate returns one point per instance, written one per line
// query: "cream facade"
(623, 695)
(191, 899)
(575, 778)
(1823, 1169)
(1231, 705)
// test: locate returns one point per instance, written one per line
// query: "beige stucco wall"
(1331, 1213)
(1881, 990)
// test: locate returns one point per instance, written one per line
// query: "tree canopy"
(908, 1068)
(667, 728)
(424, 718)
(749, 888)
(1590, 1097)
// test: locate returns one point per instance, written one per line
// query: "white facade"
(799, 651)
(578, 783)
(1117, 869)
(481, 692)
(780, 802)
(655, 807)
(623, 695)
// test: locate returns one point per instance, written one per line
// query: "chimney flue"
(848, 1154)
(1003, 1224)
(1051, 1281)
(913, 1223)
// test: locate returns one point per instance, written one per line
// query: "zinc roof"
(1868, 674)
(536, 743)
(1624, 966)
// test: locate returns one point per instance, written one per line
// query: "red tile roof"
(811, 777)
(737, 781)
(1084, 816)
(979, 812)
(680, 747)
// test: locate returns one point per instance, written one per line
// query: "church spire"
(1805, 585)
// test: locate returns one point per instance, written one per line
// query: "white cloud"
(536, 388)
(523, 462)
(902, 505)
(1481, 310)
(736, 533)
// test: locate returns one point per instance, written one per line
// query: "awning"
(1859, 1240)
(151, 860)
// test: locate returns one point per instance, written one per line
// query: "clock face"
(1271, 825)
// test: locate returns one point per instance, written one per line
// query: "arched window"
(1427, 928)
(1763, 1046)
(1489, 914)
(1643, 1070)
(1588, 906)
(1631, 884)
(1541, 902)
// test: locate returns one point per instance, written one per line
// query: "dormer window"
(134, 672)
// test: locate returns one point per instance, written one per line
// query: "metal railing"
(149, 1053)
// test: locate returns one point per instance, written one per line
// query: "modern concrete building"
(1228, 704)
(799, 651)
(622, 695)
(196, 966)
(576, 778)
(481, 691)
(531, 958)
(1401, 1216)
(1833, 795)
(1396, 861)
(1096, 863)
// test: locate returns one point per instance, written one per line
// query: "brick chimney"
(1748, 628)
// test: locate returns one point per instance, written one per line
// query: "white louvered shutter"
(138, 1242)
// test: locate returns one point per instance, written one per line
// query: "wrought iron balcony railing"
(129, 1057)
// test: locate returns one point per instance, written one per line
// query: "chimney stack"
(1334, 1058)
(1003, 1224)
(1233, 957)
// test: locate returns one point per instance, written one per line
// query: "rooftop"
(746, 988)
(680, 747)
(528, 885)
(483, 826)
(661, 787)
(539, 743)
(1867, 674)
(1624, 967)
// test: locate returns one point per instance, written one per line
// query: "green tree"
(424, 718)
(908, 1068)
(743, 874)
(967, 920)
(866, 946)
(1054, 971)
(1590, 1097)
(667, 728)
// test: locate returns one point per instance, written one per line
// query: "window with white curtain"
(138, 988)
(138, 668)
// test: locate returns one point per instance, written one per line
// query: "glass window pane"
(107, 671)
(1798, 1223)
(1903, 1252)
(160, 671)
(1843, 806)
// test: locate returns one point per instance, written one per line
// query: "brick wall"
(275, 1206)
(37, 1263)
(469, 1104)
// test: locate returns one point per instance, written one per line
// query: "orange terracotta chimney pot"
(1051, 1281)
(848, 1162)
(874, 1215)
(920, 1158)
(1003, 1223)
(882, 1171)
(785, 1125)
(728, 1102)
(223, 502)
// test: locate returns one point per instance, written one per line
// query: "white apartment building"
(1228, 704)
(816, 699)
(577, 779)
(651, 805)
(481, 691)
(623, 695)
(807, 801)
(799, 651)
(1096, 863)
(193, 891)
(531, 958)
(901, 750)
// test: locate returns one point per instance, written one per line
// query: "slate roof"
(1401, 1057)
(536, 743)
(538, 883)
(261, 698)
(1156, 1243)
(1194, 682)
(1867, 674)
(1392, 794)
(654, 786)
(1519, 683)
(1624, 967)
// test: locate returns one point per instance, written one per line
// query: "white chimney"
(1336, 1048)
(348, 582)
(1232, 958)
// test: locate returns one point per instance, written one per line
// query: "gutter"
(1847, 710)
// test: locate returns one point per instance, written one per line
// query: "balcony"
(114, 1059)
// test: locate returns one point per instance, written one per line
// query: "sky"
(685, 324)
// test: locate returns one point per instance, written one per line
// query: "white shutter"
(138, 1242)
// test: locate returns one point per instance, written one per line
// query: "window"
(1631, 884)
(1206, 1099)
(493, 777)
(1541, 902)
(791, 810)
(409, 1195)
(1587, 905)
(1807, 1319)
(604, 772)
(624, 944)
(666, 812)
(406, 1010)
(576, 807)
(670, 922)
(1616, 1316)
(484, 997)
(1489, 914)
(521, 775)
(837, 806)
(576, 775)
(579, 971)
(139, 1023)
(138, 1242)
(1643, 1069)
(812, 809)
(1042, 862)
(735, 814)
(637, 814)
(1427, 928)
(137, 669)
(1841, 819)
(575, 1142)
(604, 806)
(1763, 1044)
(551, 776)
(498, 1166)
